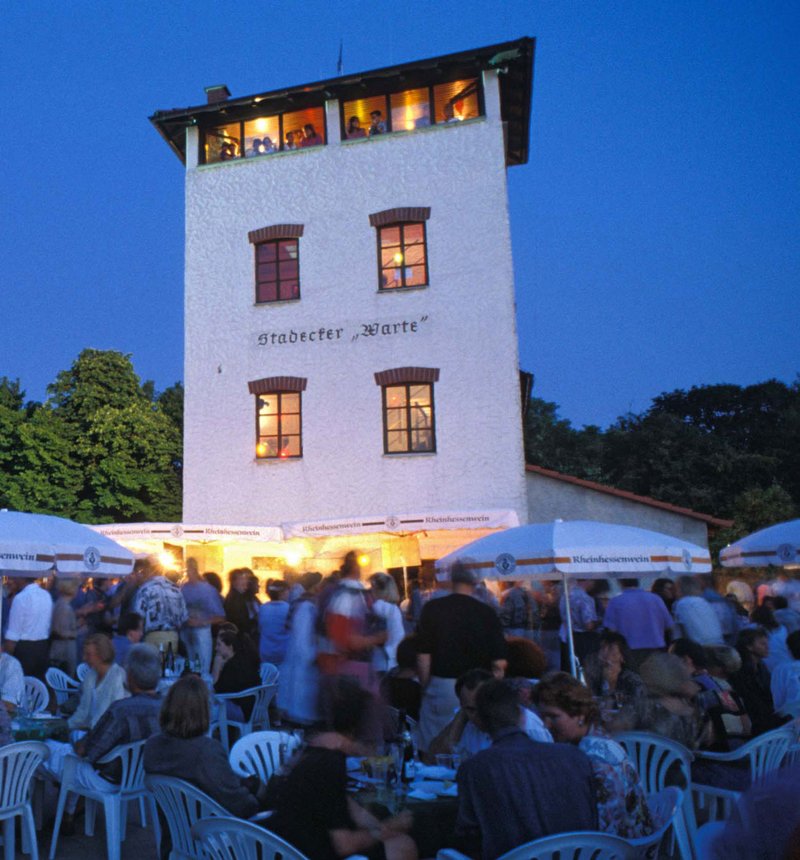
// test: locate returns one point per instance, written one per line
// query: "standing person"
(298, 683)
(161, 605)
(64, 628)
(237, 603)
(273, 632)
(642, 618)
(515, 610)
(386, 605)
(204, 608)
(456, 633)
(695, 615)
(584, 621)
(28, 633)
(515, 791)
(665, 589)
(130, 631)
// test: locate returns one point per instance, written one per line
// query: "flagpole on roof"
(339, 64)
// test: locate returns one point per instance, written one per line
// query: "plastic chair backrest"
(183, 805)
(259, 753)
(653, 756)
(259, 716)
(131, 757)
(574, 846)
(36, 695)
(767, 752)
(269, 673)
(82, 671)
(18, 763)
(61, 684)
(234, 839)
(665, 806)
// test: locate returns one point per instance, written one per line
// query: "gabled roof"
(513, 59)
(631, 497)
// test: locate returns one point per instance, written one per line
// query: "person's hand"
(400, 823)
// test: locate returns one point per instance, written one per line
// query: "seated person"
(104, 682)
(377, 125)
(267, 145)
(753, 680)
(724, 662)
(12, 681)
(183, 749)
(607, 672)
(310, 136)
(133, 718)
(785, 682)
(464, 735)
(236, 668)
(314, 812)
(130, 630)
(573, 717)
(354, 130)
(400, 687)
(516, 791)
(526, 663)
(290, 143)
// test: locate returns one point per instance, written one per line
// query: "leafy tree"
(552, 442)
(171, 403)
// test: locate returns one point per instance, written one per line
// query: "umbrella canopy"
(36, 545)
(778, 545)
(582, 548)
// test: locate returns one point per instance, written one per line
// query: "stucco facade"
(462, 323)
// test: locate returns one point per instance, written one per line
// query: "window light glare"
(363, 560)
(261, 450)
(261, 125)
(398, 258)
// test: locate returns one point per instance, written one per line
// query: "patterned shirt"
(161, 604)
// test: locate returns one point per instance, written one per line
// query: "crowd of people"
(477, 670)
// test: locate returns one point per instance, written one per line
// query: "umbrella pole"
(573, 663)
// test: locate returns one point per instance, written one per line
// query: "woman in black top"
(235, 668)
(313, 811)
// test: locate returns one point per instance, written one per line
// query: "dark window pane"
(287, 269)
(267, 292)
(265, 252)
(290, 290)
(266, 271)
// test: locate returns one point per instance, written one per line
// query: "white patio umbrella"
(777, 545)
(579, 548)
(36, 545)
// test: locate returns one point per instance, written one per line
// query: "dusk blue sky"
(655, 228)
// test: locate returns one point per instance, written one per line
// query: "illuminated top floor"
(401, 99)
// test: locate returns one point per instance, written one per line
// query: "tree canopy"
(102, 448)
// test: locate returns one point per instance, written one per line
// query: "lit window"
(456, 101)
(279, 425)
(410, 110)
(408, 425)
(403, 257)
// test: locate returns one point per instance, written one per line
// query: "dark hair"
(629, 582)
(793, 644)
(407, 652)
(185, 712)
(472, 679)
(129, 621)
(276, 588)
(103, 645)
(560, 690)
(231, 638)
(764, 617)
(660, 584)
(213, 579)
(746, 638)
(611, 637)
(779, 602)
(347, 705)
(498, 706)
(525, 658)
(687, 648)
(461, 572)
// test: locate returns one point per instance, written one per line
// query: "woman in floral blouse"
(569, 711)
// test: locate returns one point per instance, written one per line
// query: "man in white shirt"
(12, 681)
(28, 633)
(696, 616)
(464, 736)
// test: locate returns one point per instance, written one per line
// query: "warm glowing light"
(261, 125)
(167, 560)
(398, 258)
(261, 450)
(293, 557)
(363, 560)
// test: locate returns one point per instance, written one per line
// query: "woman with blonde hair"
(104, 682)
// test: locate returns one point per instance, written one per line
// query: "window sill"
(276, 302)
(267, 155)
(389, 290)
(405, 454)
(272, 461)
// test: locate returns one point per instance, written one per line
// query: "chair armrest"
(723, 757)
(450, 854)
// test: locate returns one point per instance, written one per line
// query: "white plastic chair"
(18, 763)
(37, 697)
(584, 845)
(228, 838)
(259, 715)
(82, 671)
(61, 684)
(115, 802)
(183, 806)
(763, 754)
(260, 753)
(666, 808)
(654, 756)
(269, 673)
